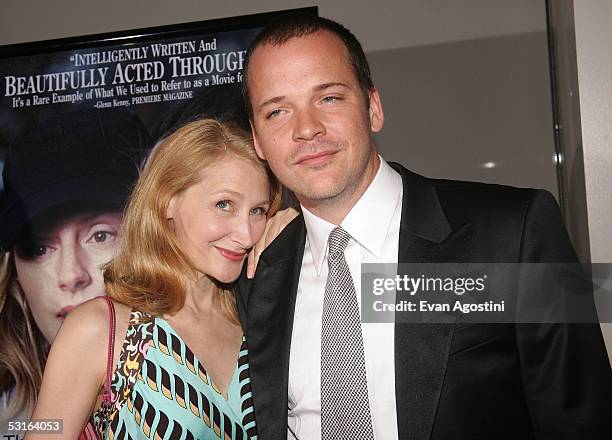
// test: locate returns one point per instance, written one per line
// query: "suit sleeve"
(241, 291)
(565, 369)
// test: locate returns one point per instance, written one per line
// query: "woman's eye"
(34, 251)
(223, 204)
(259, 211)
(39, 250)
(101, 237)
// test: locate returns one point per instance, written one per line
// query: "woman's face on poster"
(59, 263)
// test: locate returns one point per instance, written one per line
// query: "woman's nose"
(72, 272)
(243, 231)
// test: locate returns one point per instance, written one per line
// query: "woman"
(200, 204)
(66, 180)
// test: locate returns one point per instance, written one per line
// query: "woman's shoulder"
(92, 318)
(86, 330)
(84, 323)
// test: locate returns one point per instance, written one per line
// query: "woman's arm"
(75, 370)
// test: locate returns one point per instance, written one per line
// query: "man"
(313, 110)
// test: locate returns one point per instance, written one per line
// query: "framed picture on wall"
(145, 71)
(78, 117)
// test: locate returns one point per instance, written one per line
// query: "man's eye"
(331, 99)
(224, 205)
(273, 114)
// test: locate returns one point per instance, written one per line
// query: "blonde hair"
(150, 271)
(23, 348)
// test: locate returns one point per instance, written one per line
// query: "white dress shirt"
(373, 224)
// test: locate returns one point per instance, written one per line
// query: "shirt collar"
(367, 222)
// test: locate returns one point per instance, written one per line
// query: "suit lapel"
(270, 306)
(421, 350)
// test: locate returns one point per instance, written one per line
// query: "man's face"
(310, 118)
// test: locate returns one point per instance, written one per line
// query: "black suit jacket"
(453, 381)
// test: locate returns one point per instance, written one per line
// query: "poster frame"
(143, 35)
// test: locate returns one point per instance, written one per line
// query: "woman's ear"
(170, 209)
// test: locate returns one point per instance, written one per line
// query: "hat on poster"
(90, 156)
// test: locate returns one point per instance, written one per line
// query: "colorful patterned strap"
(134, 349)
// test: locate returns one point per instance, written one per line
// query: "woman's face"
(59, 264)
(218, 220)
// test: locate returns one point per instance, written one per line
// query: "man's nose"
(307, 125)
(72, 274)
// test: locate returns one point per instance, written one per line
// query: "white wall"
(381, 25)
(474, 72)
(593, 23)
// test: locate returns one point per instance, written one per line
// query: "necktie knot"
(337, 242)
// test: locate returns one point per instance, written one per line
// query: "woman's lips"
(231, 255)
(64, 311)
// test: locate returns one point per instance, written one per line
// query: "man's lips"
(315, 158)
(231, 255)
(64, 311)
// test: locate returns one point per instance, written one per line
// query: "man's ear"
(377, 115)
(258, 149)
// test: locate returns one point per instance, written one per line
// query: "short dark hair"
(292, 26)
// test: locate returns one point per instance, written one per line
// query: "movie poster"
(77, 118)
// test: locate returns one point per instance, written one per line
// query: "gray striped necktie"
(345, 410)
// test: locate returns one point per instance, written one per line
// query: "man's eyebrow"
(325, 86)
(267, 102)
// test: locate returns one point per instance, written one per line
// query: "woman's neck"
(200, 295)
